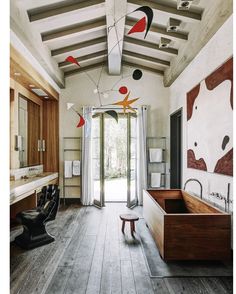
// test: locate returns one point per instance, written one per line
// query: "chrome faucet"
(194, 180)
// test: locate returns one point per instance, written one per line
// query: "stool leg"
(132, 228)
(123, 227)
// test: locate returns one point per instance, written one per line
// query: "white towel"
(76, 167)
(155, 154)
(155, 180)
(68, 169)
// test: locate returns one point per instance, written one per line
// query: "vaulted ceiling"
(79, 28)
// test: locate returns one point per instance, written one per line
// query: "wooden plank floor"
(91, 255)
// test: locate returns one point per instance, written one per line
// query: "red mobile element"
(72, 60)
(139, 26)
(123, 90)
(81, 121)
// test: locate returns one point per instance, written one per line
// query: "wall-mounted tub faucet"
(226, 199)
(194, 180)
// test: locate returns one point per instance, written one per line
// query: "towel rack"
(67, 149)
(156, 142)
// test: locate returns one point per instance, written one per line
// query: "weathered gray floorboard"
(159, 286)
(49, 258)
(78, 280)
(94, 281)
(214, 286)
(111, 273)
(57, 285)
(185, 286)
(141, 276)
(22, 263)
(92, 256)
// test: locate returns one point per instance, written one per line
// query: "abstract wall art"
(210, 122)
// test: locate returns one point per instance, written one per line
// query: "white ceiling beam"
(136, 65)
(115, 11)
(86, 57)
(66, 31)
(159, 29)
(60, 8)
(82, 69)
(78, 46)
(170, 8)
(150, 45)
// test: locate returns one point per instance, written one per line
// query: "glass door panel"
(97, 159)
(132, 159)
(115, 159)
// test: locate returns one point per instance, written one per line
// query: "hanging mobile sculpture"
(140, 26)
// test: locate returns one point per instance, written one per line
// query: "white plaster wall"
(213, 55)
(79, 90)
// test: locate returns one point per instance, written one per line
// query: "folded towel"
(155, 154)
(68, 169)
(155, 180)
(76, 167)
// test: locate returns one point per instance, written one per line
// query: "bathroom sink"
(41, 175)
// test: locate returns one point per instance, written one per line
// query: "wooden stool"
(129, 218)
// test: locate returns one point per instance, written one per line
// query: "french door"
(114, 159)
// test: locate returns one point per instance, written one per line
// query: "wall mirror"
(28, 139)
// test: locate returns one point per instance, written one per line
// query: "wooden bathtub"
(185, 227)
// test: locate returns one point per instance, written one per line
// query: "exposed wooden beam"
(115, 10)
(159, 29)
(168, 8)
(73, 29)
(102, 63)
(78, 46)
(135, 65)
(85, 58)
(145, 57)
(82, 69)
(60, 8)
(150, 45)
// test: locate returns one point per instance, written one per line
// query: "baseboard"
(69, 201)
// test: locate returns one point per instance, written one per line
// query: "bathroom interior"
(120, 111)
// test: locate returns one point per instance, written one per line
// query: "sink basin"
(41, 175)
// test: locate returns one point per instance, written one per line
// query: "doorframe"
(180, 151)
(102, 201)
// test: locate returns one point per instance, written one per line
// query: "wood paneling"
(197, 237)
(154, 217)
(29, 202)
(201, 233)
(195, 205)
(51, 136)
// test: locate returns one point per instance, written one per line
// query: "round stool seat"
(129, 218)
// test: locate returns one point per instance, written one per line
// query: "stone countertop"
(24, 186)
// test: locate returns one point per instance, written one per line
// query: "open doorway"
(176, 149)
(114, 159)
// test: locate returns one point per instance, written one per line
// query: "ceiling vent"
(184, 5)
(39, 92)
(164, 43)
(173, 25)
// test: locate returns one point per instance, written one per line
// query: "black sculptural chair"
(34, 221)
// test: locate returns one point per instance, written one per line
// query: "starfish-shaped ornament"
(126, 103)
